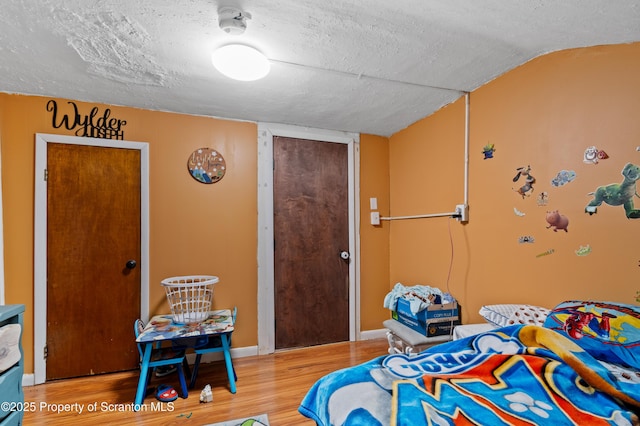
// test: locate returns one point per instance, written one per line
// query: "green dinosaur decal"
(618, 194)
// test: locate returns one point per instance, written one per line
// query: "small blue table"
(162, 328)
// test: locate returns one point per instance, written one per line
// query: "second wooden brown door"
(311, 230)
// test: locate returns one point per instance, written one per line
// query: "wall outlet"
(462, 213)
(375, 218)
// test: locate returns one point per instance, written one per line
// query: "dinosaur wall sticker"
(618, 194)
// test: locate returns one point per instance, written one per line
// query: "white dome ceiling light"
(238, 61)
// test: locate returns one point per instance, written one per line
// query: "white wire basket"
(190, 297)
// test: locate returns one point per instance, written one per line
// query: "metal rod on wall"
(466, 176)
(420, 216)
(466, 148)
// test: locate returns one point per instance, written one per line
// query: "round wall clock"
(206, 165)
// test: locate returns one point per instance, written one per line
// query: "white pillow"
(508, 314)
(498, 315)
(530, 315)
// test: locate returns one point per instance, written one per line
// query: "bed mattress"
(466, 330)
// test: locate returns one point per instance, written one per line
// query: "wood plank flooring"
(273, 384)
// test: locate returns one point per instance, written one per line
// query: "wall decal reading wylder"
(90, 125)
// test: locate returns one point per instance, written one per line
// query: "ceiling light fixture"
(238, 61)
(241, 62)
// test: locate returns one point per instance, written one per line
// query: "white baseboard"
(373, 334)
(28, 379)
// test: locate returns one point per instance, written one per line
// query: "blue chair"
(162, 357)
(218, 343)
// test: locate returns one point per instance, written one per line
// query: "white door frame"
(40, 236)
(266, 302)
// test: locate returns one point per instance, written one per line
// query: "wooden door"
(311, 229)
(93, 232)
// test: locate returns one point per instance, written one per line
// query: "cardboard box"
(433, 312)
(436, 320)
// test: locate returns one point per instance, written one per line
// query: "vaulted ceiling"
(370, 66)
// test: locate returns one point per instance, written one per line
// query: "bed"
(579, 365)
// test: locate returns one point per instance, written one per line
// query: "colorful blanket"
(517, 375)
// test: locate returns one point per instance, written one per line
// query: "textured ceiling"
(370, 66)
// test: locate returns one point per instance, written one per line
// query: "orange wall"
(374, 240)
(544, 114)
(194, 228)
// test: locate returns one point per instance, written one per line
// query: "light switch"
(373, 203)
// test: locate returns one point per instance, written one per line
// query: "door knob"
(131, 264)
(344, 255)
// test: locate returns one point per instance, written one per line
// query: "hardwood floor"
(273, 384)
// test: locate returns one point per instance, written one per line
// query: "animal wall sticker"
(557, 221)
(618, 194)
(526, 189)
